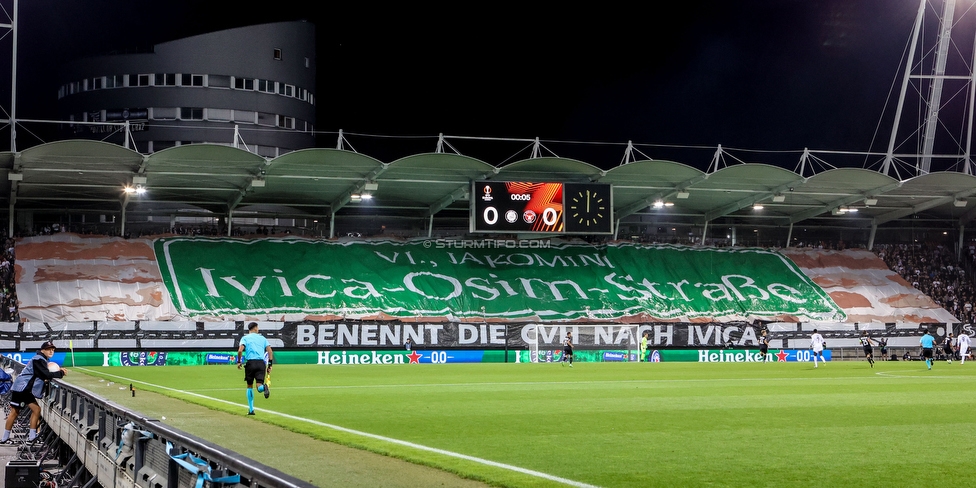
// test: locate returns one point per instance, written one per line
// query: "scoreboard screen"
(549, 208)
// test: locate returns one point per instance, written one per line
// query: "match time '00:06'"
(518, 206)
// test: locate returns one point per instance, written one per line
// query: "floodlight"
(959, 202)
(683, 194)
(779, 198)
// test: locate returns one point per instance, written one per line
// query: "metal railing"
(118, 447)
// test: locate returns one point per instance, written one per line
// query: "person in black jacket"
(28, 387)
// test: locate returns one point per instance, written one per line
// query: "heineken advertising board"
(437, 279)
(340, 357)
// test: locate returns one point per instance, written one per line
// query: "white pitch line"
(921, 374)
(486, 462)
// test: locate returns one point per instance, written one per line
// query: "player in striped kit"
(868, 346)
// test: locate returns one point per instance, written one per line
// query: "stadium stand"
(934, 270)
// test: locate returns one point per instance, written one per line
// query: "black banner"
(441, 335)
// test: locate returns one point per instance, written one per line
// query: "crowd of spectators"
(8, 293)
(934, 270)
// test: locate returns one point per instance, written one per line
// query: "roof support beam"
(456, 195)
(647, 202)
(343, 199)
(935, 202)
(808, 214)
(751, 200)
(443, 203)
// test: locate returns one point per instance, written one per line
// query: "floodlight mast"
(13, 77)
(936, 79)
(935, 93)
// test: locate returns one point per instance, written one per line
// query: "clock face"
(588, 208)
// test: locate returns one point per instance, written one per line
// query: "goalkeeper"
(643, 348)
(253, 350)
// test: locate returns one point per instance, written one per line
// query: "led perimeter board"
(547, 208)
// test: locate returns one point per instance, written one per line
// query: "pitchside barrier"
(97, 441)
(154, 343)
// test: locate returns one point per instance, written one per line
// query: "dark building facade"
(252, 87)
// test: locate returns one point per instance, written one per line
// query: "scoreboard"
(548, 208)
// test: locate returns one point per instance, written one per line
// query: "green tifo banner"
(418, 279)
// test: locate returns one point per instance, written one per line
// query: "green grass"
(626, 424)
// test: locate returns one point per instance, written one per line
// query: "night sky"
(763, 75)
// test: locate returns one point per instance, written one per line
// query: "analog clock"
(588, 208)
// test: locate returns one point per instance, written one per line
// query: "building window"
(141, 80)
(244, 83)
(289, 90)
(266, 86)
(286, 122)
(114, 81)
(267, 119)
(307, 62)
(95, 83)
(187, 79)
(165, 79)
(191, 113)
(277, 54)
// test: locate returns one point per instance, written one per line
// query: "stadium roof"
(84, 176)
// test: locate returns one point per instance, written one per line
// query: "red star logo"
(781, 356)
(414, 357)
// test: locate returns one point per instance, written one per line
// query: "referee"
(253, 350)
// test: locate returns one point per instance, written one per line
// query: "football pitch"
(620, 424)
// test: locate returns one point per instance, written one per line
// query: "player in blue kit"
(251, 356)
(928, 344)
